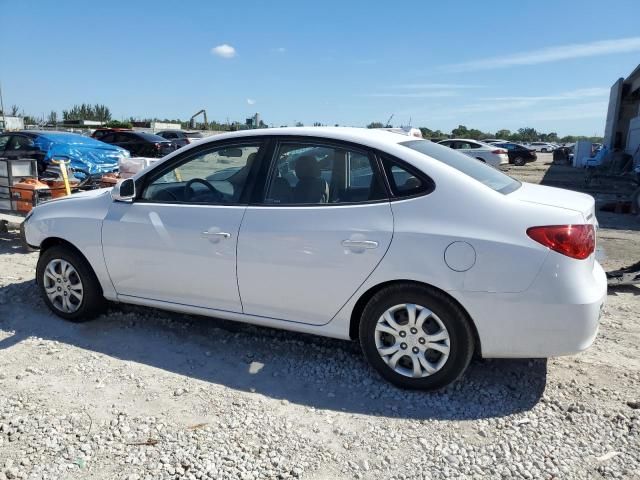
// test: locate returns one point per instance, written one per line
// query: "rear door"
(321, 224)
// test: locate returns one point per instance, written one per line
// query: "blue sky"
(487, 65)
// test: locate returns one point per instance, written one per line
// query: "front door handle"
(216, 234)
(359, 244)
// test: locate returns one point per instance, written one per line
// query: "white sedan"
(485, 152)
(348, 233)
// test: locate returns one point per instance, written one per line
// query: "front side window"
(217, 176)
(307, 174)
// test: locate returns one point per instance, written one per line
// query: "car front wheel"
(68, 285)
(416, 337)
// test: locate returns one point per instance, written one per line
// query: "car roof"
(365, 136)
(66, 137)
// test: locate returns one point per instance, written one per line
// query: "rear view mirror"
(124, 191)
(231, 152)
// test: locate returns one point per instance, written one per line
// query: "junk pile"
(23, 187)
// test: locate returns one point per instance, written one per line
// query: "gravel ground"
(144, 394)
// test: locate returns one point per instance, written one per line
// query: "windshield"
(483, 173)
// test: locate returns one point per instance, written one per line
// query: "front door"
(177, 241)
(321, 229)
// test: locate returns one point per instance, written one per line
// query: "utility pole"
(4, 120)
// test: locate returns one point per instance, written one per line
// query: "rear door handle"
(359, 244)
(216, 234)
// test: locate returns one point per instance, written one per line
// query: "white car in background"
(348, 233)
(542, 147)
(485, 152)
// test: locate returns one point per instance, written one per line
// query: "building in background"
(622, 129)
(11, 123)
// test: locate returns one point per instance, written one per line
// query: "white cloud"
(426, 86)
(224, 51)
(572, 95)
(433, 94)
(280, 50)
(550, 54)
(251, 101)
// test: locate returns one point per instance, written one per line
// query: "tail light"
(499, 152)
(575, 241)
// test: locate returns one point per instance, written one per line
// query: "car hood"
(557, 197)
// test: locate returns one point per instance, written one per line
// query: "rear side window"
(311, 174)
(404, 181)
(480, 171)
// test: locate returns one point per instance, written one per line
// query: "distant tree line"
(102, 113)
(525, 134)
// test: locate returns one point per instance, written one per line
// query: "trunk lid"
(557, 197)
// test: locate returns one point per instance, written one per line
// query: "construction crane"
(192, 122)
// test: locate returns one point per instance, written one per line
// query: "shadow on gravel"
(302, 369)
(10, 243)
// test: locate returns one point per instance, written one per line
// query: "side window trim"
(430, 184)
(260, 200)
(263, 145)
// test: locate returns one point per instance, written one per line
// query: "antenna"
(389, 121)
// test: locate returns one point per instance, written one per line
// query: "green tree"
(460, 132)
(503, 134)
(375, 125)
(118, 124)
(527, 134)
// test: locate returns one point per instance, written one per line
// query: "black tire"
(519, 161)
(461, 343)
(92, 303)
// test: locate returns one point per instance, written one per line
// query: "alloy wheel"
(63, 285)
(412, 340)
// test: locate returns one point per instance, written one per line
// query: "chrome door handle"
(216, 234)
(359, 244)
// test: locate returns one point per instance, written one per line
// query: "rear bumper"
(539, 322)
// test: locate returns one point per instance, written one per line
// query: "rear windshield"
(150, 137)
(485, 174)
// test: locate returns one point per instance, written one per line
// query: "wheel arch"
(356, 313)
(50, 242)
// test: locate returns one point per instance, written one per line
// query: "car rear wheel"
(416, 337)
(519, 161)
(68, 285)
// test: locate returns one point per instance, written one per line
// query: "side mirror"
(124, 191)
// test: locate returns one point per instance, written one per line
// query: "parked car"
(494, 140)
(407, 262)
(98, 133)
(180, 138)
(84, 153)
(543, 147)
(140, 144)
(518, 154)
(485, 152)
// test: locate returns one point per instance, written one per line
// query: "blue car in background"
(85, 153)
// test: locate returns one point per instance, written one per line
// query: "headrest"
(307, 167)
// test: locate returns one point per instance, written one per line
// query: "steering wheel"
(188, 192)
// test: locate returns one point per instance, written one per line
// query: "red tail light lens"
(498, 152)
(575, 241)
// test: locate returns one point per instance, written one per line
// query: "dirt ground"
(89, 400)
